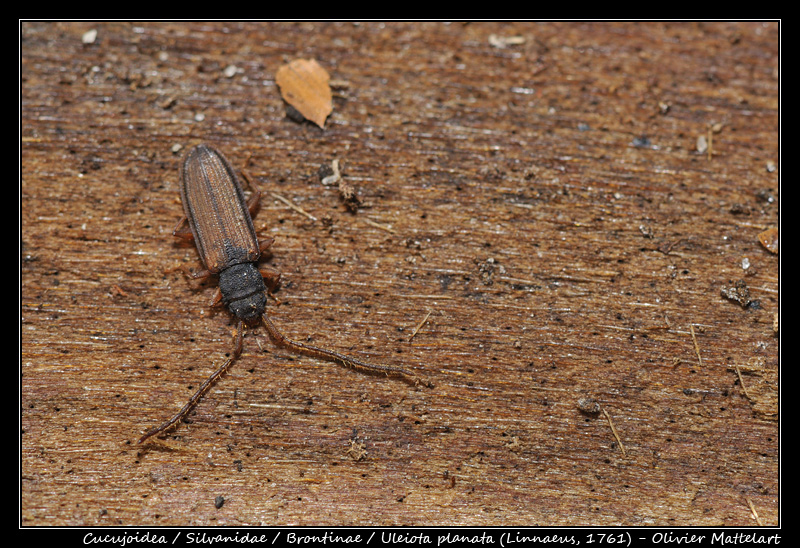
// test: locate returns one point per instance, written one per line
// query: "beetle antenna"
(204, 388)
(329, 355)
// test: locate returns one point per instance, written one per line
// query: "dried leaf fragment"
(305, 86)
(770, 240)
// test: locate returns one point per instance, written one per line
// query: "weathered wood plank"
(544, 201)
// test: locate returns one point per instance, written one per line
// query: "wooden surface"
(542, 198)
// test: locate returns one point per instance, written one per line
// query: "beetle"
(220, 222)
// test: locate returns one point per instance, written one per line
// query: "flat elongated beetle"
(221, 225)
(220, 222)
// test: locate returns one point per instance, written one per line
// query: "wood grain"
(543, 199)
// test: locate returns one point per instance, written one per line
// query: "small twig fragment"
(741, 382)
(498, 41)
(293, 206)
(378, 225)
(419, 326)
(696, 346)
(614, 431)
(753, 510)
(710, 144)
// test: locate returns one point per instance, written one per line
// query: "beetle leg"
(217, 299)
(255, 197)
(266, 243)
(199, 275)
(272, 277)
(237, 339)
(253, 202)
(182, 230)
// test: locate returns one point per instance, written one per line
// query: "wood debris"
(330, 175)
(701, 144)
(740, 293)
(589, 406)
(505, 41)
(357, 450)
(89, 36)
